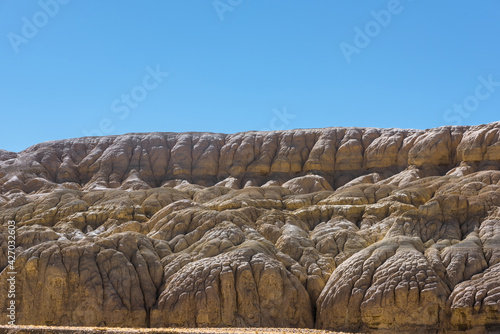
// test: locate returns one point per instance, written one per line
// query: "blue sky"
(75, 68)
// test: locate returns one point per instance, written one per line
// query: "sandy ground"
(109, 330)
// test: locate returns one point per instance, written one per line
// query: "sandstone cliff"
(336, 228)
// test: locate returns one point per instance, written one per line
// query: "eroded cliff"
(337, 228)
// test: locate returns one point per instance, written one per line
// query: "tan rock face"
(338, 228)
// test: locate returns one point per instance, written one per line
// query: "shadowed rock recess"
(351, 229)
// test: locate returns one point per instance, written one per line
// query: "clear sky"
(75, 68)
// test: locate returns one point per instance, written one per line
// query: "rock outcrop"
(339, 228)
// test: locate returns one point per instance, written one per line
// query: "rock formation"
(337, 228)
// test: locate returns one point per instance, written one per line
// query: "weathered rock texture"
(337, 228)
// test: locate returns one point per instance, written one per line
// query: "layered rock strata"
(352, 229)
